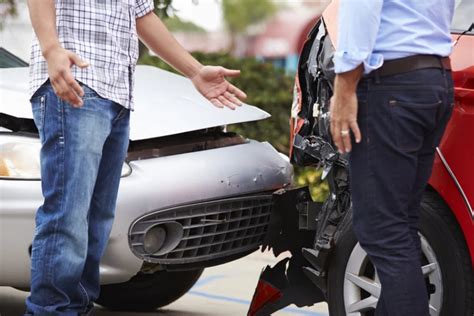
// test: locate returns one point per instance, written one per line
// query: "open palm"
(211, 82)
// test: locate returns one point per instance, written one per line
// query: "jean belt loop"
(122, 113)
(443, 69)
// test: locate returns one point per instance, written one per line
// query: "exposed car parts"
(285, 283)
(307, 229)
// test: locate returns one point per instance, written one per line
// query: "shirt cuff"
(143, 7)
(344, 61)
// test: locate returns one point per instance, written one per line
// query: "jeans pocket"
(412, 121)
(415, 105)
(89, 93)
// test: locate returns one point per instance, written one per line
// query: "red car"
(327, 263)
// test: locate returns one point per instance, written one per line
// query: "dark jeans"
(402, 119)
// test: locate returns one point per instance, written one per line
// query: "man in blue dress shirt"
(393, 97)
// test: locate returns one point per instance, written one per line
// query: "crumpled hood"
(165, 104)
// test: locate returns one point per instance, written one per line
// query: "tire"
(451, 281)
(147, 292)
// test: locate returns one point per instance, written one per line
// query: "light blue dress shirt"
(371, 31)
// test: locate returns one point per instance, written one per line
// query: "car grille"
(211, 230)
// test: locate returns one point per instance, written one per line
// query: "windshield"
(8, 60)
(463, 15)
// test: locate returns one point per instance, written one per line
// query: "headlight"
(20, 158)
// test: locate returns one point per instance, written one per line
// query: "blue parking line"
(204, 281)
(247, 303)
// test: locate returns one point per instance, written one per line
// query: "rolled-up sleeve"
(143, 7)
(359, 22)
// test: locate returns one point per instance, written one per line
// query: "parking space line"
(205, 281)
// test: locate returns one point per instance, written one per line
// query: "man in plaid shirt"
(81, 80)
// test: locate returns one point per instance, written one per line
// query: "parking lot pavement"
(224, 290)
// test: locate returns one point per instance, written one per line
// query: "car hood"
(165, 104)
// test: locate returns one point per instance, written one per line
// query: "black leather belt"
(411, 63)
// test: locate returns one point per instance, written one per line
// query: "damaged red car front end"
(326, 262)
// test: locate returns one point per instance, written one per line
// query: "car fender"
(447, 187)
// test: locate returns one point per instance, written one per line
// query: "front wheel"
(146, 292)
(353, 284)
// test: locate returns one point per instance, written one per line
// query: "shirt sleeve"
(143, 7)
(359, 22)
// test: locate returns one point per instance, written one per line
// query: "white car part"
(20, 158)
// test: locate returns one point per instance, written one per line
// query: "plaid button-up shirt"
(102, 32)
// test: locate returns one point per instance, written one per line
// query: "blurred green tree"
(239, 15)
(7, 8)
(175, 24)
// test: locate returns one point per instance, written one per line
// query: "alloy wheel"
(362, 285)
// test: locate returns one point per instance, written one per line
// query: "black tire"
(147, 292)
(444, 236)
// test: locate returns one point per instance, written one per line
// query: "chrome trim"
(451, 173)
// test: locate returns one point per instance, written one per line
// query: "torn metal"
(308, 230)
(290, 229)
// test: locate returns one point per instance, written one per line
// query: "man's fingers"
(60, 86)
(232, 98)
(237, 92)
(76, 60)
(73, 98)
(64, 91)
(74, 85)
(346, 138)
(230, 72)
(355, 129)
(336, 136)
(226, 102)
(217, 103)
(332, 128)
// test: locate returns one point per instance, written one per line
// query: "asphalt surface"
(224, 290)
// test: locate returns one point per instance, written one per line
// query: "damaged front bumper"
(308, 230)
(285, 283)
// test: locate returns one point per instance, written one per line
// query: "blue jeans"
(83, 150)
(402, 119)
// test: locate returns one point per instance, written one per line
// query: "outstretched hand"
(211, 82)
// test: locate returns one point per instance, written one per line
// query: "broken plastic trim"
(291, 228)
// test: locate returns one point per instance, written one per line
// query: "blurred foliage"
(163, 8)
(240, 14)
(175, 24)
(310, 176)
(271, 90)
(7, 8)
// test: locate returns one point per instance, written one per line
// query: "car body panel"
(165, 103)
(154, 184)
(457, 147)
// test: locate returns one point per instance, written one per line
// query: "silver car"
(192, 195)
